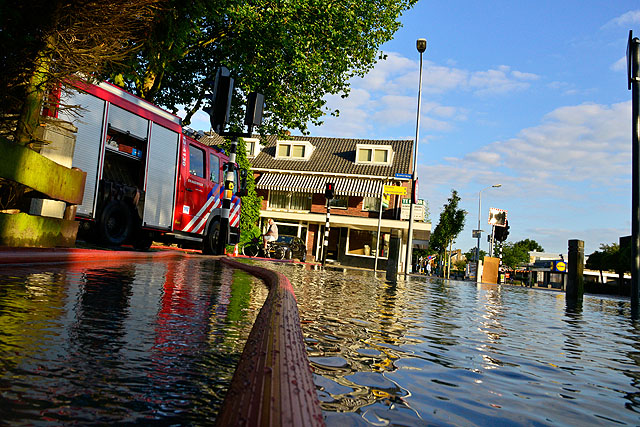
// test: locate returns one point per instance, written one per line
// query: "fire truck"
(147, 179)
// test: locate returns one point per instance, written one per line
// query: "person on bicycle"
(271, 235)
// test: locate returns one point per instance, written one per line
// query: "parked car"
(294, 246)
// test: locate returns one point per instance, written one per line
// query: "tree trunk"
(29, 119)
(449, 260)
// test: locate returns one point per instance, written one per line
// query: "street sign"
(402, 176)
(395, 189)
(476, 233)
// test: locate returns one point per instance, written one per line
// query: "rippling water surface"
(142, 343)
(428, 351)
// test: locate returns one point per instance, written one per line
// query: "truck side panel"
(88, 149)
(161, 177)
(122, 119)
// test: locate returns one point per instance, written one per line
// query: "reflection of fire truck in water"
(146, 178)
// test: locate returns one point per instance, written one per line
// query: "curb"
(31, 256)
(273, 383)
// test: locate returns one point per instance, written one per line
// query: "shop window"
(363, 243)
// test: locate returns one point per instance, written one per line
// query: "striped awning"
(316, 184)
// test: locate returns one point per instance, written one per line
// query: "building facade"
(369, 177)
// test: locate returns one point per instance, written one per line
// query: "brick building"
(291, 175)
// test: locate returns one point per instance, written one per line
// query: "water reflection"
(456, 353)
(137, 343)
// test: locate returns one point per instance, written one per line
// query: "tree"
(293, 52)
(471, 254)
(515, 254)
(45, 42)
(612, 258)
(450, 225)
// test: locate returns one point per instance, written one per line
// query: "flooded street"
(428, 351)
(157, 342)
(145, 343)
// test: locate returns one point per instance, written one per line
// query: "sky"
(529, 95)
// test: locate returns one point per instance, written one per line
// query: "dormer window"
(253, 146)
(294, 150)
(373, 154)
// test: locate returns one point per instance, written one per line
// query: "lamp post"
(421, 45)
(478, 232)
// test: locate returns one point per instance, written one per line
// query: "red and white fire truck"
(146, 178)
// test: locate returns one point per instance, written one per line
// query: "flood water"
(428, 351)
(147, 343)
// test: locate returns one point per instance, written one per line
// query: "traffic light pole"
(633, 66)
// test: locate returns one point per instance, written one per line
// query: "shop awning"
(316, 184)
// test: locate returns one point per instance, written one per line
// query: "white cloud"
(630, 18)
(620, 64)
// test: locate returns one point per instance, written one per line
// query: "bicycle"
(255, 247)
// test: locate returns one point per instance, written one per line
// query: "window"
(340, 202)
(253, 146)
(289, 200)
(363, 243)
(284, 150)
(294, 150)
(376, 154)
(372, 204)
(214, 168)
(196, 161)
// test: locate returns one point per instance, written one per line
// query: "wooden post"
(575, 278)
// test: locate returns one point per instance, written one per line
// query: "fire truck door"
(198, 187)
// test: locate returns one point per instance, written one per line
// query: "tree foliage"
(294, 52)
(610, 257)
(449, 226)
(250, 212)
(43, 42)
(516, 254)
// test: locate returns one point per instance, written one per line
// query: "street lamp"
(421, 45)
(478, 232)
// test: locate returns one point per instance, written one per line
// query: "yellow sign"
(561, 266)
(395, 189)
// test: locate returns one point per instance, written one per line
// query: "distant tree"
(610, 257)
(449, 227)
(471, 254)
(516, 254)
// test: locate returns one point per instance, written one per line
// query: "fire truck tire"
(210, 241)
(115, 223)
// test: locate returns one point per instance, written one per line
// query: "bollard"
(392, 260)
(575, 279)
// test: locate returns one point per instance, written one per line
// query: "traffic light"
(502, 233)
(220, 100)
(329, 190)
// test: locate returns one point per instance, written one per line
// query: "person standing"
(271, 235)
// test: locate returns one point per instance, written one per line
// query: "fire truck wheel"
(115, 223)
(210, 241)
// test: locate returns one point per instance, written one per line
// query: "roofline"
(346, 175)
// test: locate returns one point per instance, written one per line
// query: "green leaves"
(294, 52)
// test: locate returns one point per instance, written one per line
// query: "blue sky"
(530, 95)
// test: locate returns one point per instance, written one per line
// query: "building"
(291, 175)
